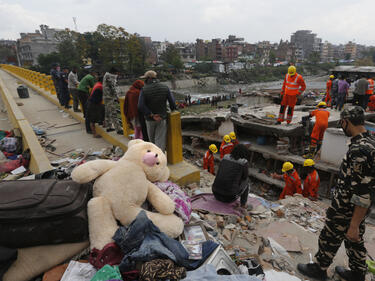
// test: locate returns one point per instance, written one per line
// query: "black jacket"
(232, 177)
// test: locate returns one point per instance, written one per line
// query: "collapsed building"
(252, 117)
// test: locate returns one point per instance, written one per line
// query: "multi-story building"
(326, 52)
(305, 43)
(350, 51)
(31, 45)
(231, 53)
(186, 51)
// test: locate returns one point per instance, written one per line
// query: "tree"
(272, 57)
(136, 53)
(67, 48)
(112, 46)
(172, 57)
(314, 57)
(46, 61)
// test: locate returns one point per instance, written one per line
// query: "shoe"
(121, 132)
(312, 270)
(77, 110)
(349, 275)
(278, 123)
(110, 130)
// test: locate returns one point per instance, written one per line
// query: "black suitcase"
(43, 212)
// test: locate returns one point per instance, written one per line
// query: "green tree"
(45, 61)
(112, 46)
(314, 57)
(172, 57)
(136, 53)
(272, 57)
(67, 48)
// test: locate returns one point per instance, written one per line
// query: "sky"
(337, 21)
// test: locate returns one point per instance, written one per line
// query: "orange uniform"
(328, 98)
(225, 148)
(311, 185)
(321, 124)
(370, 89)
(208, 162)
(293, 86)
(371, 104)
(235, 142)
(292, 184)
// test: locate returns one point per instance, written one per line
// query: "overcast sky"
(337, 21)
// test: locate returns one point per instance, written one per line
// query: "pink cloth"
(182, 201)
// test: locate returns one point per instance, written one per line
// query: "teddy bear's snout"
(150, 158)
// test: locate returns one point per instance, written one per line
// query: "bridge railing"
(45, 83)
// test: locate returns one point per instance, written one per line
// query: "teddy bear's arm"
(91, 170)
(161, 201)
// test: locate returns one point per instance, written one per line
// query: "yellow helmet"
(287, 166)
(292, 70)
(308, 163)
(332, 76)
(232, 135)
(322, 104)
(213, 148)
(226, 138)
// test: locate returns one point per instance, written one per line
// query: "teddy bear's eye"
(157, 163)
(148, 150)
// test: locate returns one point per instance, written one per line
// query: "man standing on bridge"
(293, 86)
(345, 218)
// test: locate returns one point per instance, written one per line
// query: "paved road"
(42, 113)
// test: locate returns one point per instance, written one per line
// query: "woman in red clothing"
(131, 108)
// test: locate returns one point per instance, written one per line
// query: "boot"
(349, 275)
(312, 270)
(311, 153)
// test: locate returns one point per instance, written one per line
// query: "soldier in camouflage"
(345, 218)
(111, 93)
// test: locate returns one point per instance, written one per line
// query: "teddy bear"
(120, 189)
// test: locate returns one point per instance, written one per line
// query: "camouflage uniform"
(355, 187)
(111, 103)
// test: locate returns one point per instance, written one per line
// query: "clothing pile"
(13, 162)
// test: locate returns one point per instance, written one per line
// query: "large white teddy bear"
(122, 186)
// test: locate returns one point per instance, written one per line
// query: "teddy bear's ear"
(133, 142)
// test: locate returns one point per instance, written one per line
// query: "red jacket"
(225, 148)
(329, 86)
(311, 185)
(371, 104)
(208, 162)
(131, 100)
(293, 85)
(235, 142)
(292, 185)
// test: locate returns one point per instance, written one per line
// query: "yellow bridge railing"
(45, 83)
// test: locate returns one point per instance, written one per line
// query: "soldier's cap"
(149, 74)
(355, 112)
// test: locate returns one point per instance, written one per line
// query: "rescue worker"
(233, 138)
(321, 124)
(370, 91)
(351, 202)
(328, 98)
(226, 146)
(371, 103)
(291, 178)
(312, 180)
(208, 159)
(293, 86)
